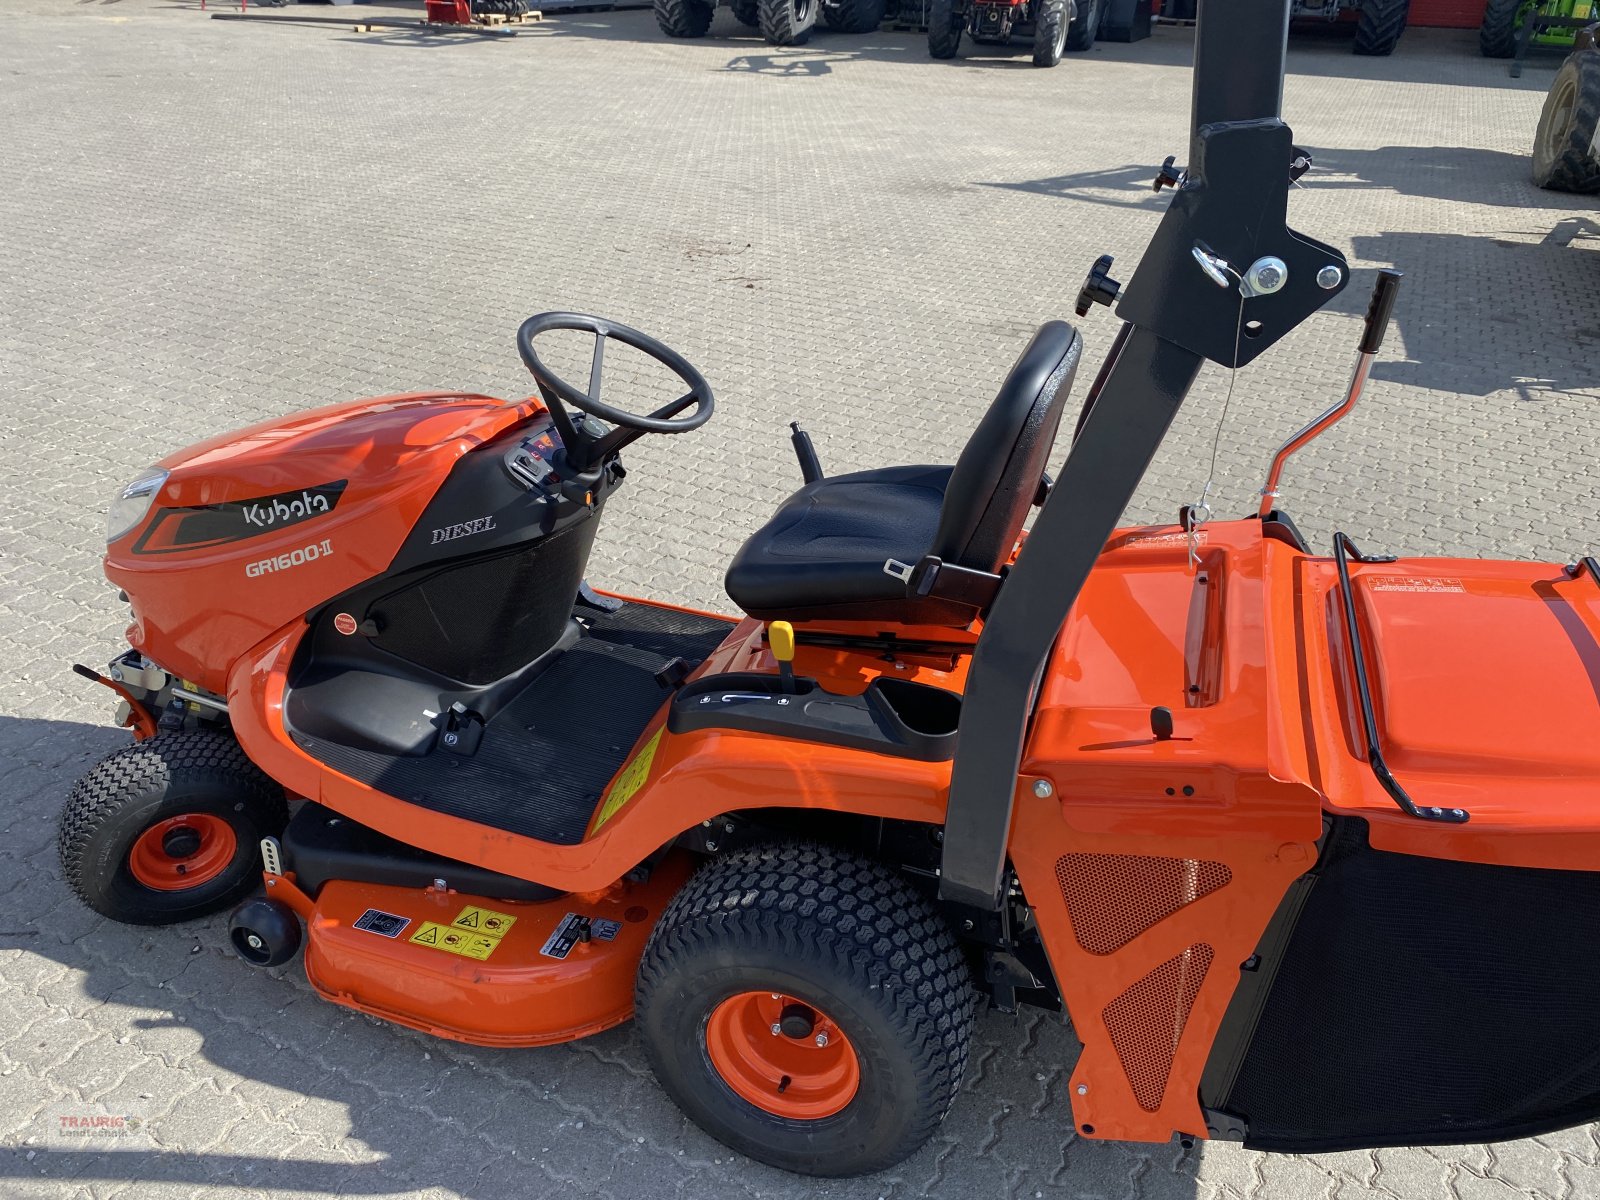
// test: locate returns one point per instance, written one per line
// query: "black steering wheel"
(583, 449)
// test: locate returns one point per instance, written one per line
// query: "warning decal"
(475, 933)
(485, 921)
(1412, 583)
(377, 921)
(629, 782)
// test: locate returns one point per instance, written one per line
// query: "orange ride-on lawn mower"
(1306, 846)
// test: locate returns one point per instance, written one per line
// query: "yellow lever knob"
(780, 636)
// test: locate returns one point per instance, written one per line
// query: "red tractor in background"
(1054, 25)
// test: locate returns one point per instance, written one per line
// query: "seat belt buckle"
(935, 578)
(898, 570)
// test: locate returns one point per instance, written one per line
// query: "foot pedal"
(463, 730)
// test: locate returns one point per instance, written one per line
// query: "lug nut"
(822, 1039)
(776, 1029)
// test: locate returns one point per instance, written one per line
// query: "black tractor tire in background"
(788, 22)
(1049, 31)
(683, 18)
(1497, 36)
(838, 932)
(853, 16)
(1085, 25)
(1564, 155)
(1380, 25)
(198, 772)
(747, 13)
(946, 21)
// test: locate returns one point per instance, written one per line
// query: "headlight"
(130, 504)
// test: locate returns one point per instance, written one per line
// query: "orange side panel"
(1155, 865)
(485, 971)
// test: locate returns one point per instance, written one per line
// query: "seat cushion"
(822, 553)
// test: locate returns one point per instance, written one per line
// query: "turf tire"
(683, 18)
(192, 771)
(1564, 154)
(1085, 25)
(854, 16)
(844, 934)
(1049, 32)
(1497, 36)
(946, 22)
(1379, 26)
(788, 22)
(747, 13)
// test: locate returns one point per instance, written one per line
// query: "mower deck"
(545, 758)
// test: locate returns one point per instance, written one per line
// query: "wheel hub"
(182, 852)
(782, 1055)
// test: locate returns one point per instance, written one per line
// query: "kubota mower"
(1307, 846)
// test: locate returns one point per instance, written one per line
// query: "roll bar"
(1226, 221)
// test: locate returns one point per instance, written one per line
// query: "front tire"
(1497, 36)
(946, 20)
(854, 16)
(871, 1000)
(1049, 32)
(1565, 158)
(1085, 25)
(1379, 26)
(683, 18)
(169, 829)
(788, 22)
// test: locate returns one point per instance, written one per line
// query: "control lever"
(1373, 329)
(810, 464)
(780, 640)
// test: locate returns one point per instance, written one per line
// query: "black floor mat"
(547, 756)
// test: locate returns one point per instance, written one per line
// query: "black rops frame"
(1231, 204)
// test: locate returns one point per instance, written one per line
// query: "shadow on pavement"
(251, 1080)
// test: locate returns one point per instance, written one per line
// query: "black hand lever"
(1379, 310)
(810, 464)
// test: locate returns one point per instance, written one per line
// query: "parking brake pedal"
(463, 730)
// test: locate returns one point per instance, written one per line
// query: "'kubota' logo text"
(295, 558)
(276, 510)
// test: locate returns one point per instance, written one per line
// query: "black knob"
(1168, 176)
(1099, 287)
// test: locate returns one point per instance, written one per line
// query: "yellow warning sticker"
(455, 941)
(629, 782)
(485, 921)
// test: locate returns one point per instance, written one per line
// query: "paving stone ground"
(206, 223)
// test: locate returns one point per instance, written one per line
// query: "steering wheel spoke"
(597, 363)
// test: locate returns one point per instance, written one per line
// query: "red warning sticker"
(345, 624)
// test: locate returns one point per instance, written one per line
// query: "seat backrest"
(997, 476)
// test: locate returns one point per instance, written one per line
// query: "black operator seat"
(822, 555)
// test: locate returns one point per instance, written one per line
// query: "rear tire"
(854, 16)
(1085, 25)
(946, 20)
(747, 13)
(788, 22)
(201, 791)
(1497, 36)
(850, 944)
(1049, 32)
(1564, 154)
(683, 18)
(1380, 25)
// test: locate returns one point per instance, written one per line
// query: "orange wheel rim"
(182, 852)
(782, 1055)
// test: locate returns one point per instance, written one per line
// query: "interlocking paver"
(209, 223)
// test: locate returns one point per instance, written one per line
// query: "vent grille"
(1146, 1022)
(1113, 898)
